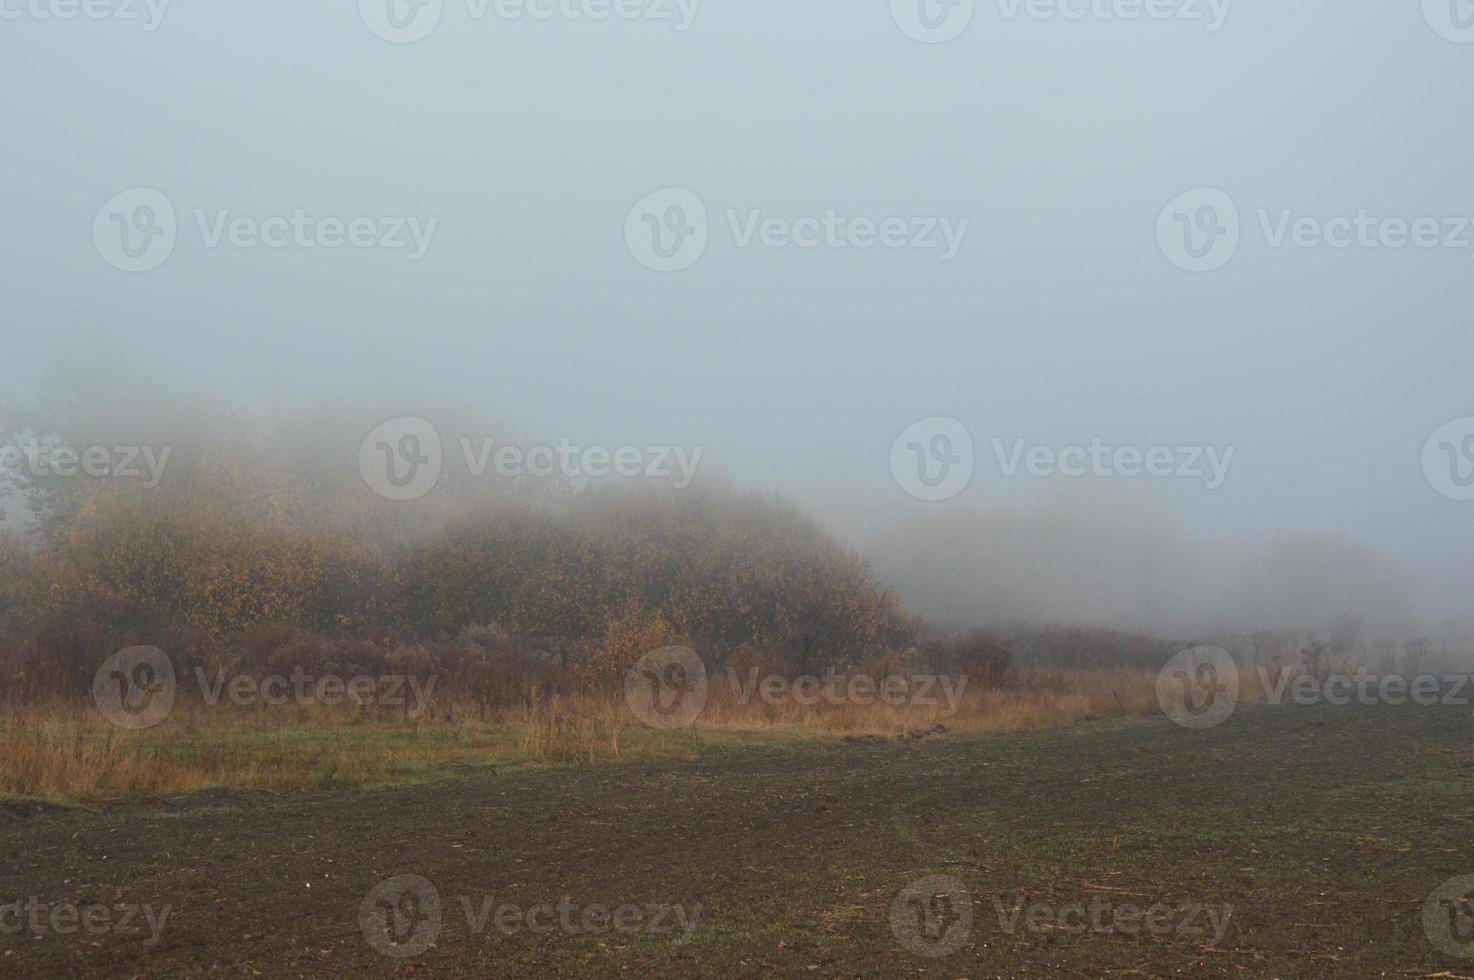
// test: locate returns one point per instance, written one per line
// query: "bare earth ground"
(1324, 828)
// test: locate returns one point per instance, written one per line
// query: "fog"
(511, 152)
(1126, 563)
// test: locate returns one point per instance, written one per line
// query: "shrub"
(983, 658)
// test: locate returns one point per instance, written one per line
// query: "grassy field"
(1287, 842)
(68, 753)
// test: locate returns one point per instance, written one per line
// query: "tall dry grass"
(65, 752)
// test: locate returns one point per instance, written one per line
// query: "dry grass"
(1036, 699)
(64, 752)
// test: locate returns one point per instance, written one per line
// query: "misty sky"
(1059, 320)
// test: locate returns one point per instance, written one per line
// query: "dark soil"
(1325, 829)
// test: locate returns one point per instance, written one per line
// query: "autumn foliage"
(586, 580)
